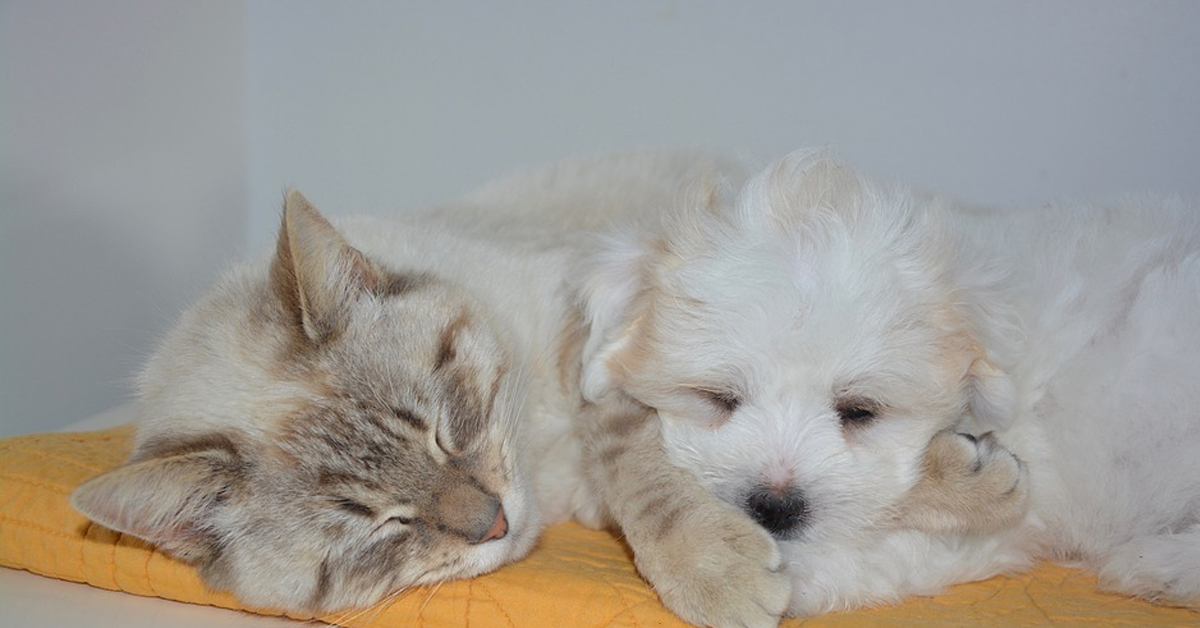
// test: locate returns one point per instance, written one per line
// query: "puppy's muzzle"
(783, 513)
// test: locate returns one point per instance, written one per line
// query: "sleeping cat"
(395, 402)
(358, 412)
(326, 428)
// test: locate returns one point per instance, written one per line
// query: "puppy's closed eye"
(725, 401)
(856, 412)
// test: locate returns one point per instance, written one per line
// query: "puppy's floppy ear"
(610, 281)
(992, 394)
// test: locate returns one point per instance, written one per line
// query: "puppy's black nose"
(782, 512)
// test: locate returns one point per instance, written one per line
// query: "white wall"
(380, 105)
(122, 191)
(164, 133)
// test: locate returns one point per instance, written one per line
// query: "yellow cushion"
(576, 577)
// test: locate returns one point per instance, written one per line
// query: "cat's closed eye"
(353, 507)
(397, 518)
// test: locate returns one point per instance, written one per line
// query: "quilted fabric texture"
(576, 577)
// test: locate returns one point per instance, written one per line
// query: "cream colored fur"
(812, 339)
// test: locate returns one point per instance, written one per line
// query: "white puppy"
(805, 335)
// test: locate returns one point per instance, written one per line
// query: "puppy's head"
(801, 339)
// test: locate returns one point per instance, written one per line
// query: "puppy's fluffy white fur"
(840, 324)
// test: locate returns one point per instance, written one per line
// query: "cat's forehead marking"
(467, 378)
(466, 408)
(447, 350)
(333, 478)
(397, 284)
(409, 418)
(343, 435)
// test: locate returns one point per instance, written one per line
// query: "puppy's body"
(1096, 320)
(808, 338)
(1091, 311)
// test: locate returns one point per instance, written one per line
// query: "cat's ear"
(168, 501)
(315, 272)
(611, 281)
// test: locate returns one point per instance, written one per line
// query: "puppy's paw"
(969, 484)
(716, 567)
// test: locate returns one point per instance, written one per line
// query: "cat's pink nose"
(499, 527)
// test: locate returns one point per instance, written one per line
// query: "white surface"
(133, 131)
(32, 601)
(124, 413)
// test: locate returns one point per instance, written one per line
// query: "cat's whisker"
(379, 607)
(340, 619)
(376, 608)
(394, 597)
(352, 614)
(315, 621)
(432, 592)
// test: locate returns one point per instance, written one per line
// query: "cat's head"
(324, 431)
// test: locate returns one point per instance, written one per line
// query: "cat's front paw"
(969, 484)
(716, 567)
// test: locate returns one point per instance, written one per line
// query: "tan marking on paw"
(969, 485)
(715, 567)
